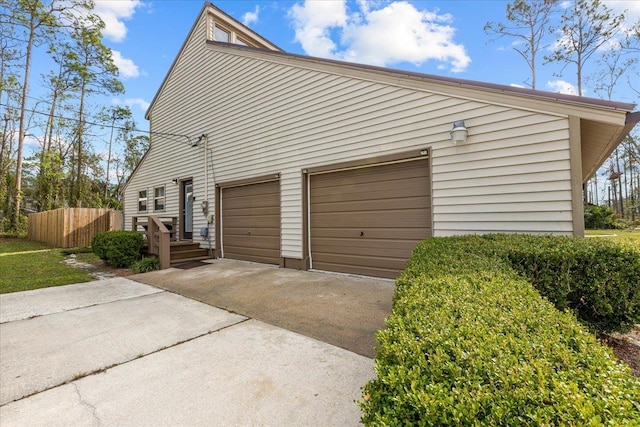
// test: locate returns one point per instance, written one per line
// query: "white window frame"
(156, 198)
(144, 198)
(221, 28)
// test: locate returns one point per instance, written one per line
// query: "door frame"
(181, 221)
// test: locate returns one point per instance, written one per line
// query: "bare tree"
(584, 27)
(527, 23)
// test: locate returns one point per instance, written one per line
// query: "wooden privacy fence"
(72, 227)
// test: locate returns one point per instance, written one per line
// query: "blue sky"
(435, 37)
(146, 36)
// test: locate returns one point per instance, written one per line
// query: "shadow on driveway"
(340, 310)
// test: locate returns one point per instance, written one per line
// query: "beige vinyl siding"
(172, 156)
(266, 117)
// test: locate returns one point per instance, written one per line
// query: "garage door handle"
(361, 233)
(248, 233)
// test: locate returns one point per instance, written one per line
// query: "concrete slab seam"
(106, 368)
(89, 306)
(201, 301)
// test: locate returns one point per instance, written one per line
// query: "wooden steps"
(187, 251)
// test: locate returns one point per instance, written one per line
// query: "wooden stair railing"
(158, 236)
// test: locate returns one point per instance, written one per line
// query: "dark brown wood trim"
(249, 181)
(575, 156)
(305, 221)
(388, 158)
(218, 225)
(180, 183)
(294, 263)
(431, 191)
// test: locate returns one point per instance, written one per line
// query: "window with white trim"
(158, 198)
(221, 35)
(142, 201)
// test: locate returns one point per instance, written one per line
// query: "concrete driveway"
(338, 309)
(119, 352)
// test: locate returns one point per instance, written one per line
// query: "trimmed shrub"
(598, 279)
(146, 264)
(99, 244)
(471, 342)
(118, 248)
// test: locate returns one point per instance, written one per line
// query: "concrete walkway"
(117, 352)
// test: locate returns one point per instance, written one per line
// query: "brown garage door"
(368, 220)
(251, 222)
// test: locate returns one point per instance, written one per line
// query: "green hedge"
(471, 342)
(118, 248)
(598, 279)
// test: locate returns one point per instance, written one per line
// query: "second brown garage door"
(251, 222)
(368, 220)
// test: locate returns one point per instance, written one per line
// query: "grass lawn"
(631, 237)
(29, 265)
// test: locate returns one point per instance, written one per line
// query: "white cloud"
(561, 86)
(127, 67)
(313, 21)
(516, 85)
(397, 32)
(250, 17)
(32, 141)
(130, 102)
(114, 13)
(631, 9)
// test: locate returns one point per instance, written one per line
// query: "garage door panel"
(410, 218)
(259, 242)
(257, 201)
(380, 190)
(399, 203)
(396, 172)
(367, 251)
(368, 221)
(339, 245)
(251, 222)
(253, 231)
(256, 255)
(377, 233)
(385, 267)
(252, 190)
(253, 211)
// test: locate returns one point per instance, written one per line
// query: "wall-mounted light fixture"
(459, 133)
(175, 181)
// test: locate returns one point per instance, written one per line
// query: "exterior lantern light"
(459, 133)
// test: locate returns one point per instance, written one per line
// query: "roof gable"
(239, 34)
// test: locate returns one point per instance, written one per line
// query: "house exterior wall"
(264, 117)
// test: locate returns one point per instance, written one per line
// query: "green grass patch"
(627, 237)
(27, 265)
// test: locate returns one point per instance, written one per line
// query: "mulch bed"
(626, 347)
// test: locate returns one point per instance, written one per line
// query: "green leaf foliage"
(118, 248)
(145, 265)
(470, 341)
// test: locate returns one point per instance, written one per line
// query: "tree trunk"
(620, 185)
(21, 132)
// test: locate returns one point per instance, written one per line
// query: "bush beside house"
(471, 342)
(118, 248)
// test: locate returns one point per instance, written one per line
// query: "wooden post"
(164, 250)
